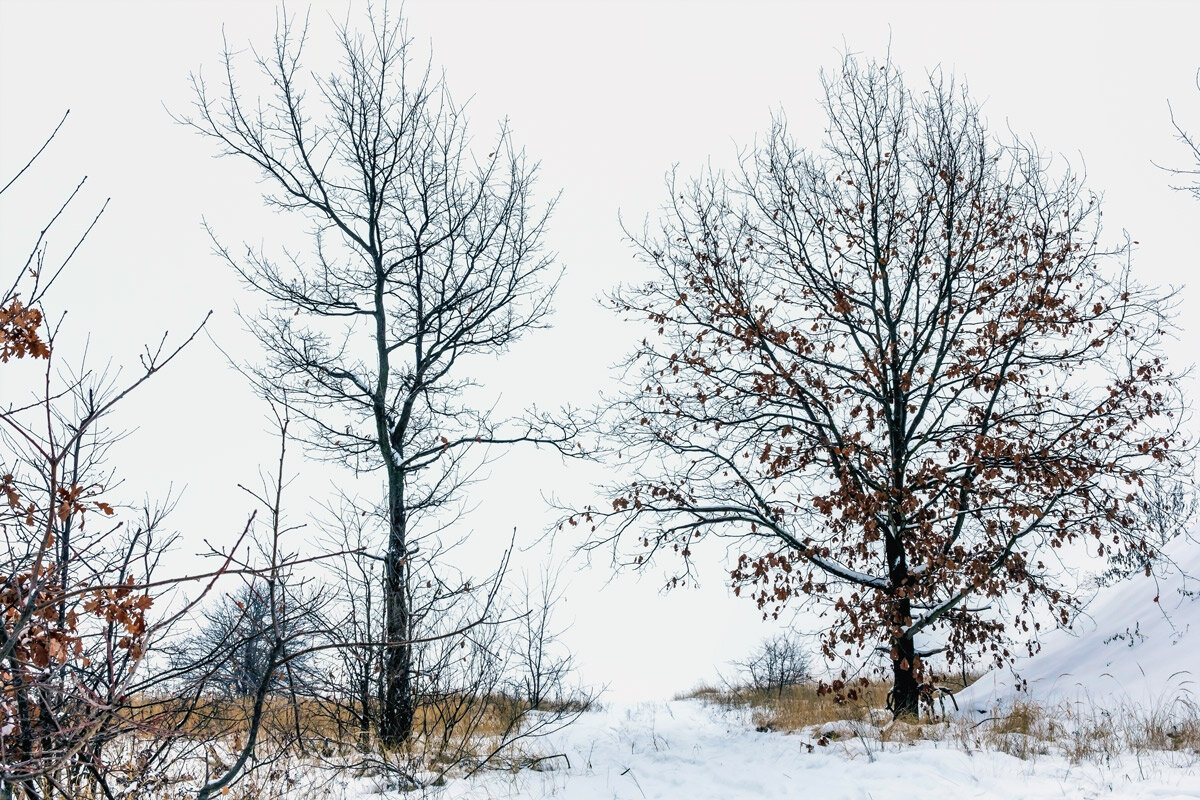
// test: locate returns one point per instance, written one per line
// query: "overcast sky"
(608, 96)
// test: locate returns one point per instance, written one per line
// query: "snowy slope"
(1128, 649)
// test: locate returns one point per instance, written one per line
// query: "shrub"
(779, 662)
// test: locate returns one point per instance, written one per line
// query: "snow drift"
(1137, 644)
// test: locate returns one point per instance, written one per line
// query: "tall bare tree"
(900, 374)
(423, 253)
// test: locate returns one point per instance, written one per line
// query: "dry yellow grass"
(315, 739)
(797, 707)
(1083, 734)
(445, 729)
(1025, 730)
(211, 717)
(802, 706)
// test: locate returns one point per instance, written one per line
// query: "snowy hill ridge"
(1127, 649)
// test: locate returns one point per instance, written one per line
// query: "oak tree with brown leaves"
(901, 375)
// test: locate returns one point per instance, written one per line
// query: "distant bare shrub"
(779, 662)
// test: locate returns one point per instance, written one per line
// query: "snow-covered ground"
(687, 750)
(1137, 645)
(1132, 656)
(1129, 654)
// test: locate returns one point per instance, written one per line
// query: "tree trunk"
(396, 718)
(399, 706)
(364, 699)
(24, 744)
(906, 693)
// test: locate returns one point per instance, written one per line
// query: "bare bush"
(778, 663)
(541, 664)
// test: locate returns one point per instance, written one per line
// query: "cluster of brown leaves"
(45, 636)
(42, 637)
(19, 332)
(44, 623)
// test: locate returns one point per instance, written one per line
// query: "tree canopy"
(901, 372)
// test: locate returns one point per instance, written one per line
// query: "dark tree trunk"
(399, 706)
(906, 693)
(24, 745)
(364, 700)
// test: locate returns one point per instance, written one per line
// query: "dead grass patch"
(446, 730)
(796, 707)
(1082, 733)
(802, 706)
(1024, 730)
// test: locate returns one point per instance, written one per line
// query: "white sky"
(608, 96)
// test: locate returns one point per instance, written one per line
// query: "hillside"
(688, 750)
(1137, 644)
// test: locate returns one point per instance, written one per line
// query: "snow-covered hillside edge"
(689, 750)
(1136, 646)
(1095, 718)
(1108, 710)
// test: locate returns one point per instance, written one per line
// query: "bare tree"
(776, 664)
(1189, 174)
(900, 374)
(541, 665)
(423, 254)
(234, 634)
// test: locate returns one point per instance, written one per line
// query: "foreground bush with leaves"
(78, 585)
